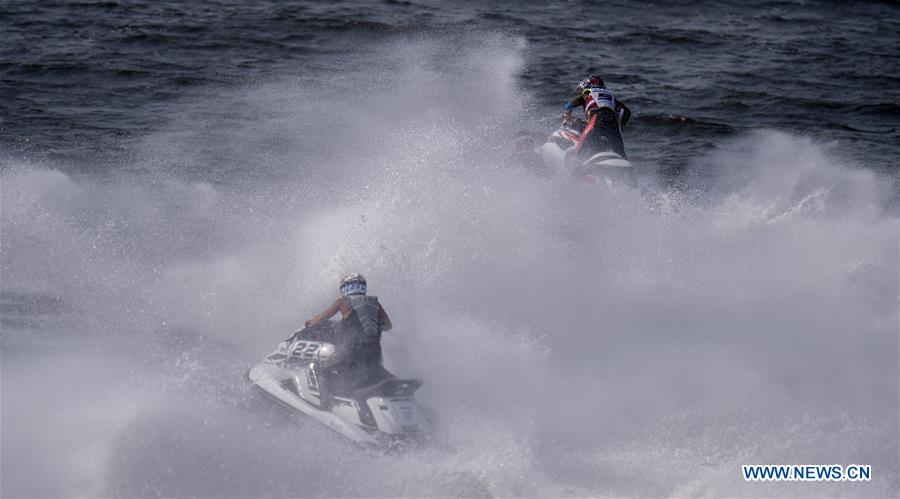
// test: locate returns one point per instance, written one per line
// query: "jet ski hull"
(382, 413)
(271, 380)
(609, 168)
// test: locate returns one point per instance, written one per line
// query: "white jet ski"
(605, 167)
(381, 410)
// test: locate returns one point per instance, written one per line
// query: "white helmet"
(353, 284)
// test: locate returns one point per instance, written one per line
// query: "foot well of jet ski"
(395, 388)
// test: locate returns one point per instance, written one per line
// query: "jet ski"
(371, 408)
(605, 167)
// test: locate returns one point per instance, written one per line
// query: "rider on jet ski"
(605, 116)
(357, 335)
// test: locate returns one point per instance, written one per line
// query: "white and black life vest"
(596, 98)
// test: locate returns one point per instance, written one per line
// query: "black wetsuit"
(358, 344)
(602, 134)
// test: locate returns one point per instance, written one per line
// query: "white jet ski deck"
(381, 410)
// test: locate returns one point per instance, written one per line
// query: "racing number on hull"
(305, 349)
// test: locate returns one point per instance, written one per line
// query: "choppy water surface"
(183, 184)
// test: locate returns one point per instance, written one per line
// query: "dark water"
(81, 78)
(183, 183)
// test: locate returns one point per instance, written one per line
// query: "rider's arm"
(572, 104)
(623, 112)
(385, 320)
(339, 305)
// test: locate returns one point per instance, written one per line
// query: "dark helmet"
(353, 284)
(591, 81)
